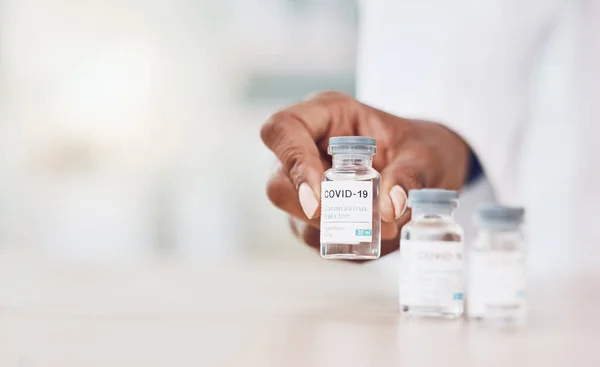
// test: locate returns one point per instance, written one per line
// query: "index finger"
(292, 134)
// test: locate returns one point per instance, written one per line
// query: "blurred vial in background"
(431, 253)
(497, 268)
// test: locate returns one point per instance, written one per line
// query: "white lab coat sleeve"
(465, 64)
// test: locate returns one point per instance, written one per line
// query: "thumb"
(396, 180)
(299, 155)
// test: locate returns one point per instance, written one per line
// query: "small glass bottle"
(431, 253)
(350, 219)
(496, 280)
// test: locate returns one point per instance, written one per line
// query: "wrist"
(455, 155)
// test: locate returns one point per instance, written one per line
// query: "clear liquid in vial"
(363, 250)
(432, 228)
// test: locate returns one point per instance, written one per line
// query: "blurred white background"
(129, 129)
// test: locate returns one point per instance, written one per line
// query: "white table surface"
(307, 312)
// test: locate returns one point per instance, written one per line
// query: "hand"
(410, 154)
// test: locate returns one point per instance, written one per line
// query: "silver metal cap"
(352, 144)
(351, 140)
(498, 214)
(432, 197)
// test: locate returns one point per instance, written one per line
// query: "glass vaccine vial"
(350, 219)
(497, 280)
(431, 256)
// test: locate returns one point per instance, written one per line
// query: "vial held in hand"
(350, 219)
(431, 256)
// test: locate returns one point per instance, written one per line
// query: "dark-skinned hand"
(411, 154)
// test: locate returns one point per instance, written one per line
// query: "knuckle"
(411, 152)
(293, 163)
(311, 236)
(332, 95)
(412, 178)
(274, 127)
(276, 191)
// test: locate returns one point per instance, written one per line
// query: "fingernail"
(308, 200)
(398, 197)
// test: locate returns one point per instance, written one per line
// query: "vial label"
(431, 273)
(496, 283)
(346, 212)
